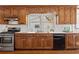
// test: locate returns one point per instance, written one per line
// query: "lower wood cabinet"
(19, 43)
(33, 41)
(77, 41)
(43, 41)
(70, 41)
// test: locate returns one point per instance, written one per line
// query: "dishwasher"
(58, 41)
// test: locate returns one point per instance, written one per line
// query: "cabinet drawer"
(36, 34)
(22, 35)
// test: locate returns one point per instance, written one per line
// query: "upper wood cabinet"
(67, 14)
(73, 14)
(7, 12)
(61, 15)
(22, 15)
(14, 12)
(10, 12)
(19, 12)
(1, 16)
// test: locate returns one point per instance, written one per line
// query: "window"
(77, 18)
(41, 22)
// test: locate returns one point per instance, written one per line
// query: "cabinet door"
(48, 42)
(7, 12)
(67, 15)
(77, 40)
(1, 16)
(73, 15)
(22, 15)
(19, 43)
(70, 41)
(61, 15)
(28, 43)
(37, 42)
(14, 12)
(42, 42)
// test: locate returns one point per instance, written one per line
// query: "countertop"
(50, 32)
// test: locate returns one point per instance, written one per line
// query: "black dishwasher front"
(58, 41)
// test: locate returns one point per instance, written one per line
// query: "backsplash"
(23, 27)
(56, 28)
(60, 28)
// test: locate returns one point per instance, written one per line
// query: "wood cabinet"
(14, 11)
(1, 16)
(70, 41)
(22, 15)
(19, 43)
(61, 15)
(67, 17)
(43, 42)
(48, 42)
(33, 41)
(10, 12)
(77, 41)
(67, 14)
(7, 11)
(73, 14)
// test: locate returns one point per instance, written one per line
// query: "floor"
(42, 52)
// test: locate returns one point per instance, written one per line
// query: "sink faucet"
(51, 30)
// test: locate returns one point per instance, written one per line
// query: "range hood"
(11, 20)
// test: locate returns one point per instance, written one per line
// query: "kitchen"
(39, 28)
